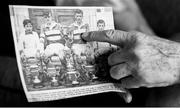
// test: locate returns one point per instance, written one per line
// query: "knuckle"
(110, 33)
(137, 34)
(110, 61)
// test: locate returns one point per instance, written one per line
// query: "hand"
(85, 26)
(41, 40)
(143, 60)
(38, 54)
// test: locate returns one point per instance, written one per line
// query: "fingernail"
(82, 38)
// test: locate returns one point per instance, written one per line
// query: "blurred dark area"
(163, 17)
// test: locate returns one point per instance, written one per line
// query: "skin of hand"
(143, 60)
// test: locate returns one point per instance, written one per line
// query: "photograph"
(90, 53)
(50, 51)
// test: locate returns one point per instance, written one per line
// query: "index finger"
(115, 37)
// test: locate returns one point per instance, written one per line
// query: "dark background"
(163, 17)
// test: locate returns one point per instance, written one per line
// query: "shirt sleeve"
(21, 42)
(37, 40)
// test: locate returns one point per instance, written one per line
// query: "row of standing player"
(50, 38)
(31, 45)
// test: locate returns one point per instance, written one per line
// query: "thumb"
(131, 82)
(116, 37)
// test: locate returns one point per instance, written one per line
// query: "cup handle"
(77, 74)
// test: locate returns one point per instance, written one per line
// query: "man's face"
(78, 17)
(48, 18)
(28, 27)
(68, 56)
(101, 26)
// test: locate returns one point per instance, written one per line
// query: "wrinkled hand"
(143, 60)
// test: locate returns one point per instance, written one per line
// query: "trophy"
(34, 68)
(53, 69)
(90, 71)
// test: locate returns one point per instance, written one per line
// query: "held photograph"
(50, 52)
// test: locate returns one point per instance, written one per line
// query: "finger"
(131, 82)
(122, 56)
(120, 71)
(102, 51)
(127, 96)
(116, 37)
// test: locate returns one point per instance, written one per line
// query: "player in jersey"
(53, 42)
(78, 27)
(49, 23)
(51, 37)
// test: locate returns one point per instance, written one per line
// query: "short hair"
(100, 21)
(78, 11)
(27, 21)
(46, 14)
